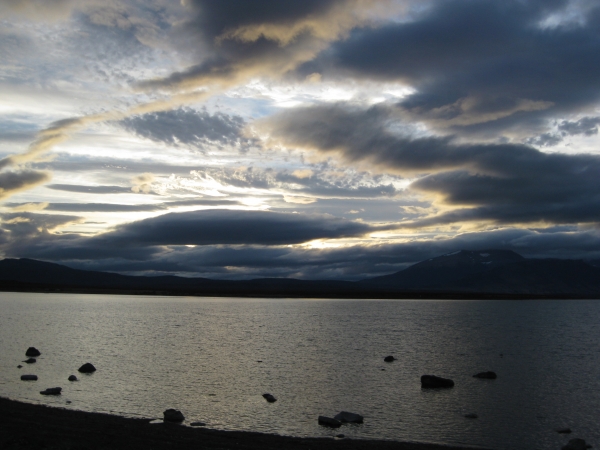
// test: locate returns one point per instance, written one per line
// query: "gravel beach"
(29, 426)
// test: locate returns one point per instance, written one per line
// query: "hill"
(463, 274)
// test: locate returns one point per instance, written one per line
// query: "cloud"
(116, 207)
(351, 263)
(12, 182)
(240, 40)
(89, 189)
(323, 182)
(187, 126)
(24, 227)
(26, 207)
(262, 38)
(37, 9)
(233, 227)
(480, 67)
(587, 126)
(504, 183)
(142, 183)
(143, 239)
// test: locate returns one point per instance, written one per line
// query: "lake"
(213, 358)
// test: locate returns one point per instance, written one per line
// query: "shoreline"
(350, 295)
(32, 426)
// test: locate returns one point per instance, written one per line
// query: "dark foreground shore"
(27, 426)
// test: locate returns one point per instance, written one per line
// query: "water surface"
(201, 355)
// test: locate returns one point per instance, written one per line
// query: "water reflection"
(318, 357)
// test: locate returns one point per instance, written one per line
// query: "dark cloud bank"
(187, 126)
(502, 183)
(473, 62)
(246, 244)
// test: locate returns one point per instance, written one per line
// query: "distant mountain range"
(461, 274)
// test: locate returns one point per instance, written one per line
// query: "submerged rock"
(389, 358)
(329, 422)
(431, 381)
(51, 391)
(270, 398)
(471, 416)
(87, 368)
(32, 351)
(29, 377)
(486, 375)
(72, 378)
(563, 430)
(348, 417)
(30, 361)
(173, 415)
(575, 444)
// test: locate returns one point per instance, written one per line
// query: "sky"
(313, 139)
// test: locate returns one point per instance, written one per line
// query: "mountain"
(493, 272)
(535, 276)
(462, 274)
(29, 274)
(439, 272)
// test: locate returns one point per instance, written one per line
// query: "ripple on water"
(318, 358)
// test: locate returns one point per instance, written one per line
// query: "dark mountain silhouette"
(34, 274)
(440, 272)
(466, 274)
(535, 276)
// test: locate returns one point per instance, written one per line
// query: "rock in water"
(563, 430)
(270, 398)
(486, 375)
(471, 416)
(173, 415)
(575, 444)
(329, 422)
(29, 377)
(51, 391)
(30, 361)
(389, 358)
(87, 368)
(32, 351)
(72, 378)
(431, 381)
(348, 417)
(19, 366)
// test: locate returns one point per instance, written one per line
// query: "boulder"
(51, 391)
(575, 444)
(348, 417)
(87, 368)
(30, 361)
(563, 430)
(72, 378)
(389, 358)
(173, 415)
(270, 398)
(431, 381)
(329, 422)
(32, 351)
(471, 416)
(486, 375)
(29, 377)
